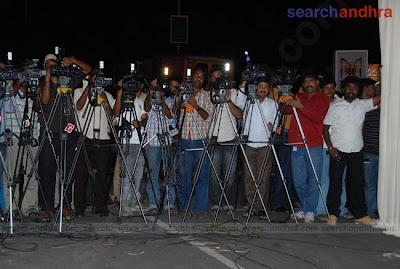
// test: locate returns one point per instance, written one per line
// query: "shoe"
(135, 208)
(299, 215)
(79, 213)
(152, 211)
(198, 215)
(33, 213)
(262, 215)
(66, 213)
(172, 211)
(348, 215)
(46, 215)
(323, 217)
(2, 218)
(126, 213)
(247, 213)
(309, 217)
(366, 221)
(332, 221)
(105, 213)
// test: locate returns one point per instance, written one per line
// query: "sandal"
(172, 211)
(246, 214)
(152, 211)
(262, 215)
(197, 215)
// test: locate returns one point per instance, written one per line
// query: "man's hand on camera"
(228, 95)
(67, 61)
(135, 123)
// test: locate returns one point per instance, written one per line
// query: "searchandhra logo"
(332, 12)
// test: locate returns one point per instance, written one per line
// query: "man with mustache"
(195, 124)
(256, 149)
(345, 118)
(311, 107)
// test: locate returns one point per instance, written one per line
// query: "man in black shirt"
(371, 159)
(61, 125)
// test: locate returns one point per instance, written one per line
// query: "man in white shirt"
(257, 147)
(224, 133)
(132, 119)
(345, 117)
(95, 127)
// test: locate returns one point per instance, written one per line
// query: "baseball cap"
(48, 57)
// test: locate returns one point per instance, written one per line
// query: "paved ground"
(128, 242)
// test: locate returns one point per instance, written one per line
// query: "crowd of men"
(197, 152)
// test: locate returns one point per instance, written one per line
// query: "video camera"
(219, 87)
(187, 88)
(101, 81)
(67, 71)
(64, 73)
(131, 84)
(32, 75)
(285, 77)
(251, 75)
(9, 73)
(32, 70)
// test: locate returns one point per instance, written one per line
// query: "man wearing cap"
(61, 123)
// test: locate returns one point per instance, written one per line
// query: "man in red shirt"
(311, 107)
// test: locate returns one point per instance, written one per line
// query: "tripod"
(130, 141)
(222, 117)
(23, 127)
(260, 118)
(96, 141)
(25, 140)
(168, 148)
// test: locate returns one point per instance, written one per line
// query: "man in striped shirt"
(371, 158)
(196, 120)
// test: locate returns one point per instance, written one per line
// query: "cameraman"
(224, 132)
(97, 145)
(257, 147)
(134, 119)
(157, 125)
(198, 114)
(23, 111)
(47, 163)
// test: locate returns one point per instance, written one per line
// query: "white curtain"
(389, 155)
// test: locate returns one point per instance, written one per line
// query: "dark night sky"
(124, 31)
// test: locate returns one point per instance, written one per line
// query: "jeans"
(187, 169)
(371, 183)
(304, 178)
(130, 197)
(325, 186)
(2, 201)
(153, 156)
(278, 193)
(222, 156)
